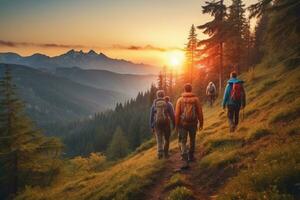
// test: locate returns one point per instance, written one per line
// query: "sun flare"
(175, 59)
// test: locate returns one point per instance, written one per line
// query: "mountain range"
(72, 58)
(51, 98)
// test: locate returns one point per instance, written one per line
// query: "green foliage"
(287, 114)
(145, 146)
(92, 163)
(176, 180)
(26, 156)
(181, 193)
(95, 134)
(275, 175)
(219, 159)
(258, 133)
(118, 148)
(213, 143)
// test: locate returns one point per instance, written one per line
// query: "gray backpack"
(161, 119)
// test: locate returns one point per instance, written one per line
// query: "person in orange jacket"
(188, 114)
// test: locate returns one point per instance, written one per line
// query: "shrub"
(181, 193)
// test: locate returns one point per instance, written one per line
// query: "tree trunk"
(15, 173)
(221, 69)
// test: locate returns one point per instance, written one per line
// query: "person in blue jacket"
(161, 117)
(234, 99)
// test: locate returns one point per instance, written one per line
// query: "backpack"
(189, 115)
(211, 89)
(161, 119)
(237, 92)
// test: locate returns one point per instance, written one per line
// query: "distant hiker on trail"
(161, 116)
(211, 92)
(188, 114)
(234, 99)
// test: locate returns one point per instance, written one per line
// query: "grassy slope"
(261, 159)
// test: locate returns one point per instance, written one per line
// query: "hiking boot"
(191, 158)
(231, 129)
(160, 156)
(185, 166)
(166, 155)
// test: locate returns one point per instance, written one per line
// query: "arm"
(226, 96)
(199, 113)
(152, 117)
(171, 113)
(177, 112)
(207, 90)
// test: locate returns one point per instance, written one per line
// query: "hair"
(188, 87)
(167, 98)
(160, 94)
(233, 74)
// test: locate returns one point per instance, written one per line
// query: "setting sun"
(175, 59)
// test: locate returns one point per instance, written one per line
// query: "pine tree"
(23, 149)
(235, 45)
(119, 147)
(171, 83)
(160, 81)
(212, 48)
(191, 51)
(165, 81)
(249, 45)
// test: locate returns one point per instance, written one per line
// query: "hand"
(200, 128)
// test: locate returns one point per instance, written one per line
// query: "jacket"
(226, 98)
(179, 111)
(170, 113)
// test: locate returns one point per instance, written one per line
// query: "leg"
(166, 142)
(236, 116)
(192, 136)
(230, 115)
(159, 141)
(182, 139)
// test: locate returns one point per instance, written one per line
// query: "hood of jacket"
(235, 80)
(188, 94)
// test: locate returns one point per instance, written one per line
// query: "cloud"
(148, 47)
(44, 45)
(144, 48)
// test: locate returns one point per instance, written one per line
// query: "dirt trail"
(173, 164)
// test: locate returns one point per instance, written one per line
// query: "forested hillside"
(128, 84)
(95, 135)
(52, 99)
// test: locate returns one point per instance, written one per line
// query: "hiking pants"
(211, 99)
(233, 115)
(162, 140)
(183, 133)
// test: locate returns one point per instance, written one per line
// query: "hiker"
(161, 116)
(234, 99)
(211, 92)
(188, 114)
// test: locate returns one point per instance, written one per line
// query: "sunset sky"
(148, 31)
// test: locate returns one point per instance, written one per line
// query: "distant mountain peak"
(72, 51)
(92, 52)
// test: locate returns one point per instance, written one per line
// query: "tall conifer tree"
(212, 48)
(27, 157)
